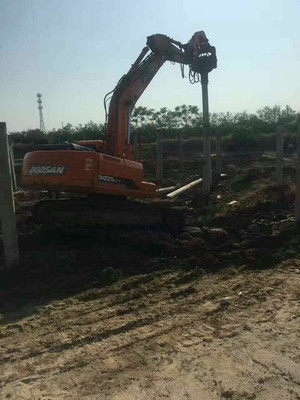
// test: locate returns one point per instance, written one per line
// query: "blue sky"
(75, 51)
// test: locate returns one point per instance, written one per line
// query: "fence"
(279, 159)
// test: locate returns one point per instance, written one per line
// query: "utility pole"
(7, 208)
(40, 108)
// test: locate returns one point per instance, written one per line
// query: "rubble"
(279, 226)
(225, 302)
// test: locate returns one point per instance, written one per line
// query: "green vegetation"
(239, 130)
(68, 133)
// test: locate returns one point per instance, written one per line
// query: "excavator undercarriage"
(108, 211)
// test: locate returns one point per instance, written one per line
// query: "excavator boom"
(197, 53)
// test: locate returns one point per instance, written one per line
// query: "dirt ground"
(209, 313)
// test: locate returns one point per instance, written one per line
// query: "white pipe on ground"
(184, 188)
(166, 189)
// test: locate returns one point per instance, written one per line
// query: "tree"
(241, 128)
(141, 116)
(31, 136)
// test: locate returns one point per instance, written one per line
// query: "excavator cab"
(97, 145)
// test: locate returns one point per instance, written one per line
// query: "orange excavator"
(103, 171)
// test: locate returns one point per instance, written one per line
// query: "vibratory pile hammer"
(102, 172)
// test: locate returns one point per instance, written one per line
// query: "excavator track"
(103, 211)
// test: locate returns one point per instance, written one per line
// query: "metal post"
(218, 153)
(7, 209)
(297, 201)
(159, 157)
(180, 156)
(206, 134)
(279, 156)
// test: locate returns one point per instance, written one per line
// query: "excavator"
(102, 173)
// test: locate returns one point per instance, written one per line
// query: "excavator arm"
(197, 53)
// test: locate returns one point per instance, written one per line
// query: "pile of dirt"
(246, 220)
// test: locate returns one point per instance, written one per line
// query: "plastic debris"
(233, 202)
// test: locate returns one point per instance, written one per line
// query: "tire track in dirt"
(103, 334)
(147, 339)
(147, 297)
(167, 309)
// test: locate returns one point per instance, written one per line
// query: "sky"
(75, 51)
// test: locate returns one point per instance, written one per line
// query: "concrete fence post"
(218, 153)
(159, 157)
(180, 155)
(206, 135)
(12, 166)
(7, 208)
(297, 200)
(279, 156)
(207, 160)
